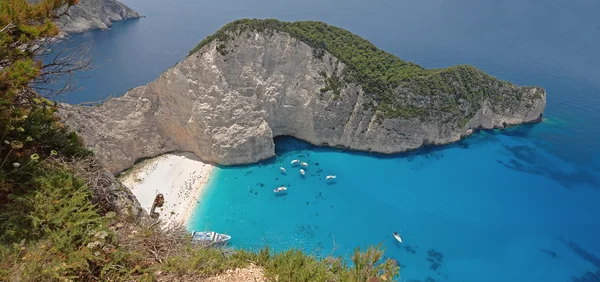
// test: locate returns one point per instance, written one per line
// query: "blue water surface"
(497, 207)
(513, 205)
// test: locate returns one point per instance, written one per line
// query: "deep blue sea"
(513, 205)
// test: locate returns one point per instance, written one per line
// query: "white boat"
(330, 177)
(209, 237)
(282, 169)
(280, 189)
(397, 236)
(303, 164)
(302, 171)
(294, 162)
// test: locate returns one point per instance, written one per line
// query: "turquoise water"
(486, 204)
(514, 205)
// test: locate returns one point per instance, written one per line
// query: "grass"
(289, 265)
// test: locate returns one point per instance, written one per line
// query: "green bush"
(333, 84)
(53, 232)
(295, 265)
(288, 265)
(204, 262)
(29, 135)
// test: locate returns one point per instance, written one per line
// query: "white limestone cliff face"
(227, 107)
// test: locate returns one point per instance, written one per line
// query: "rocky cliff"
(238, 90)
(95, 14)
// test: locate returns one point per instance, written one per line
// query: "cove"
(494, 207)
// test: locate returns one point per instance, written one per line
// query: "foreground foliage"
(54, 233)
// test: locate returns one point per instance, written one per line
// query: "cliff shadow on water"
(288, 144)
(532, 157)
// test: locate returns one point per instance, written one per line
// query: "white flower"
(16, 165)
(6, 142)
(94, 244)
(101, 234)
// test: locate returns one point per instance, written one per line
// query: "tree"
(25, 30)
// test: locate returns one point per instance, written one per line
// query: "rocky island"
(254, 80)
(93, 14)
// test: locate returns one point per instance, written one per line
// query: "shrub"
(52, 232)
(295, 265)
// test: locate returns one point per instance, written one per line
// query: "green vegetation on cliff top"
(381, 73)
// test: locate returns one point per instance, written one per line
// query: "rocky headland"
(254, 80)
(95, 14)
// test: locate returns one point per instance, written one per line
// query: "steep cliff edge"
(257, 79)
(95, 14)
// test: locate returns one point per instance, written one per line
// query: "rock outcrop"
(108, 193)
(228, 100)
(94, 14)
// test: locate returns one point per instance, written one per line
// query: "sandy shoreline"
(181, 178)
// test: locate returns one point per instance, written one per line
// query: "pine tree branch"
(10, 25)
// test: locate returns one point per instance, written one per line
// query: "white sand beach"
(181, 179)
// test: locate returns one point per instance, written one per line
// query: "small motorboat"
(303, 164)
(282, 169)
(294, 161)
(397, 236)
(280, 189)
(328, 177)
(209, 238)
(302, 172)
